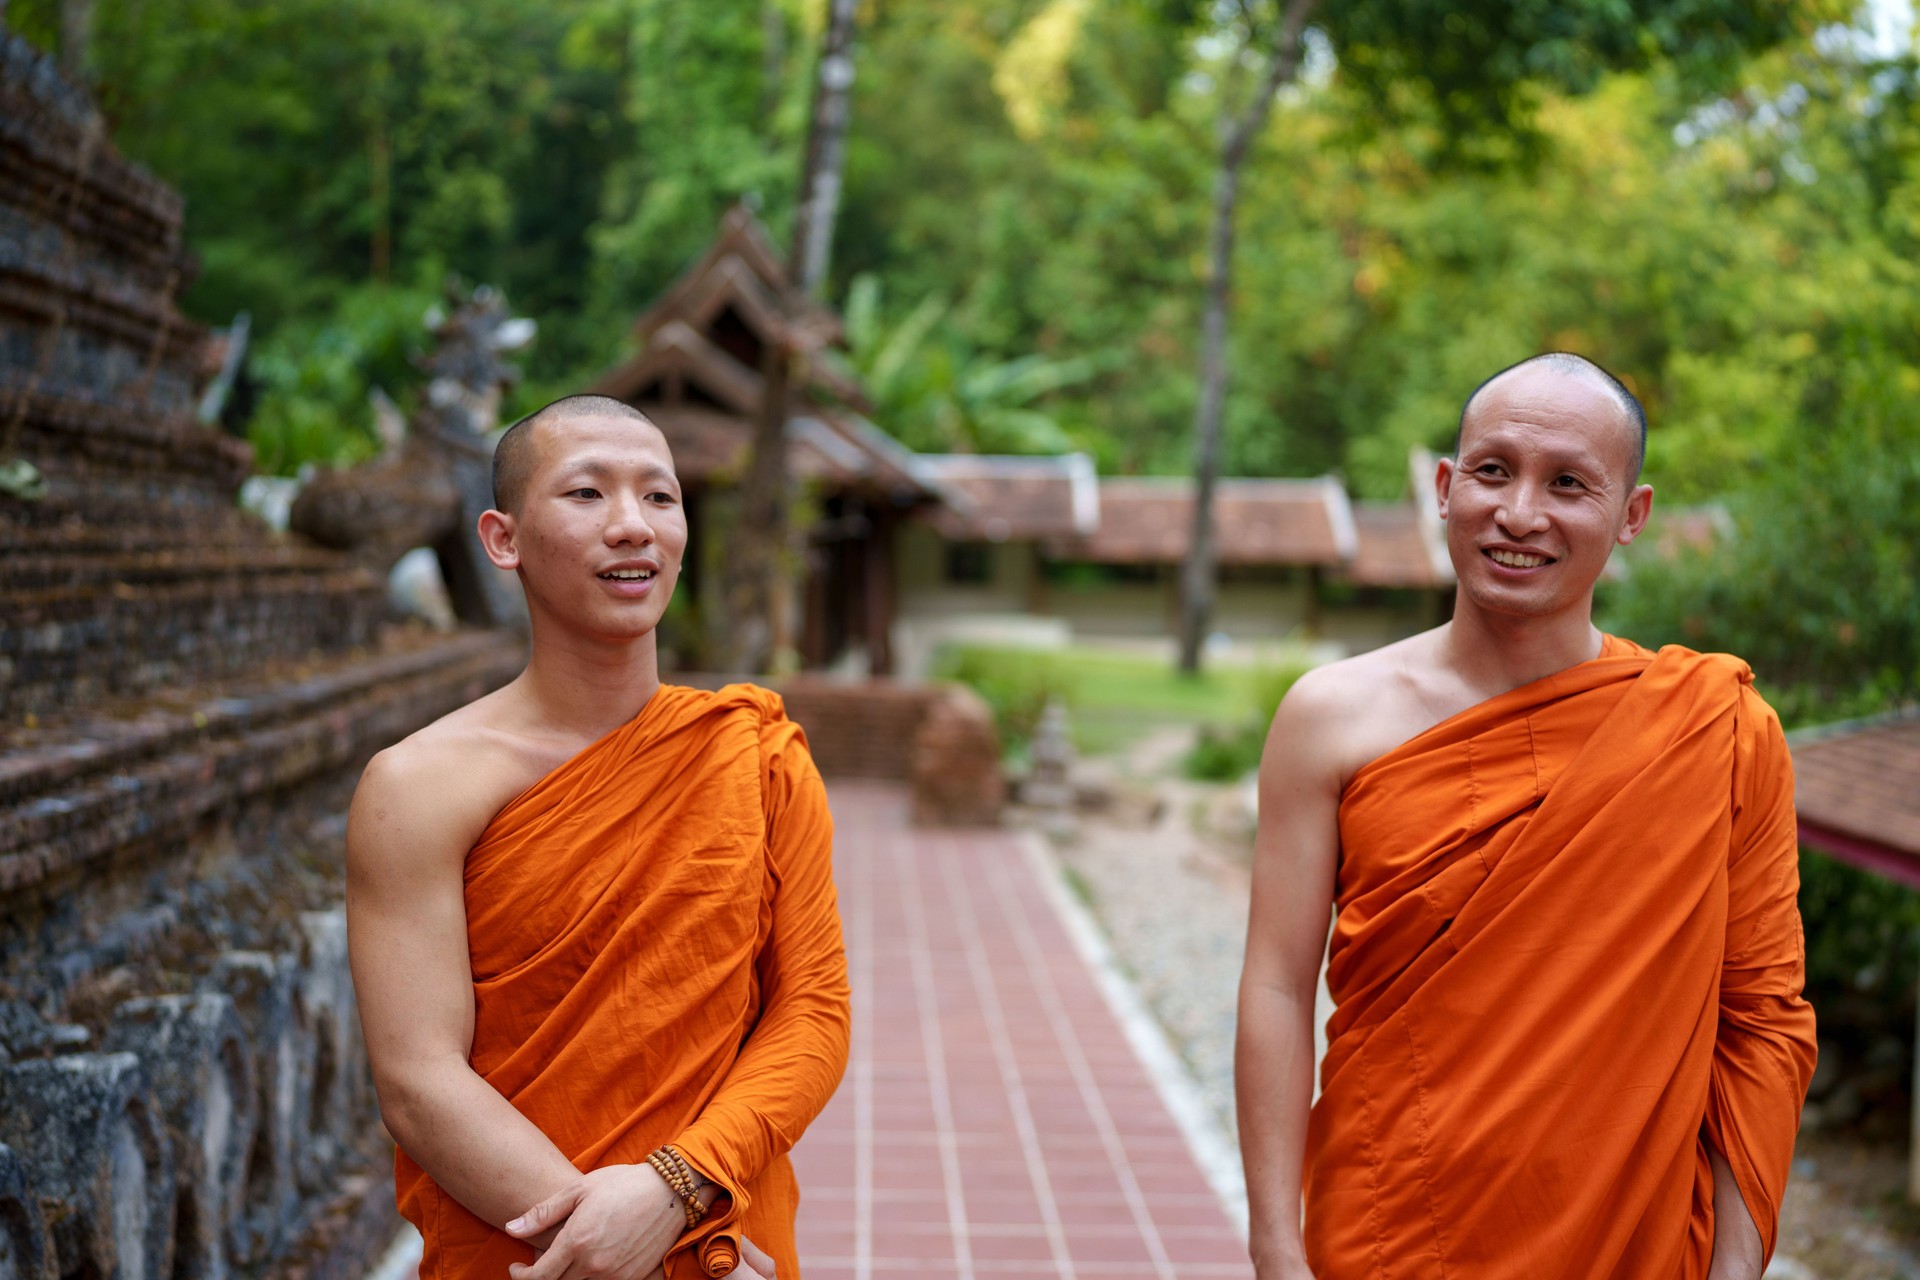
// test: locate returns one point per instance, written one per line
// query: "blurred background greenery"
(1021, 259)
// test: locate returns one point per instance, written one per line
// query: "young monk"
(1569, 1039)
(591, 917)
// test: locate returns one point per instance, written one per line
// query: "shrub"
(1223, 754)
(1016, 683)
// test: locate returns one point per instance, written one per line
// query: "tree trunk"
(826, 151)
(1197, 572)
(761, 559)
(757, 544)
(773, 60)
(76, 40)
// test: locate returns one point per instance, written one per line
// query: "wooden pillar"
(878, 593)
(692, 504)
(1039, 599)
(1312, 622)
(817, 566)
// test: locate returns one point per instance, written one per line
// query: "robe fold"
(1567, 956)
(657, 958)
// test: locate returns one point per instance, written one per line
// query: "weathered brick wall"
(185, 702)
(136, 570)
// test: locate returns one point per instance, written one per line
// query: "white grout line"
(863, 1065)
(401, 1261)
(961, 896)
(1000, 876)
(1212, 1149)
(920, 951)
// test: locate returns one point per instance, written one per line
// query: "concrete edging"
(1212, 1149)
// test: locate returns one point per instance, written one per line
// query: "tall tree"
(826, 150)
(1239, 122)
(1474, 74)
(759, 587)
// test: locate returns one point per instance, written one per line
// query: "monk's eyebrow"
(1499, 445)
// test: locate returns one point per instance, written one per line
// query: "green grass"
(1113, 698)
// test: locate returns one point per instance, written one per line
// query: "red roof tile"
(1148, 520)
(1006, 497)
(1862, 782)
(1394, 549)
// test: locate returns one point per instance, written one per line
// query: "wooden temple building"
(700, 374)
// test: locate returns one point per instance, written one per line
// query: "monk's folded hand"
(616, 1223)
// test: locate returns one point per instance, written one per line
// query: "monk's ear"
(498, 539)
(1639, 508)
(1443, 483)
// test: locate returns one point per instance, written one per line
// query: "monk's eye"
(664, 499)
(1569, 482)
(583, 493)
(1488, 469)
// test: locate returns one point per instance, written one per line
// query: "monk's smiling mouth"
(1517, 559)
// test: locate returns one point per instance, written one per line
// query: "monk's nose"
(630, 524)
(1520, 515)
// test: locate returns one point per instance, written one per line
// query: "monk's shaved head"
(1633, 417)
(517, 452)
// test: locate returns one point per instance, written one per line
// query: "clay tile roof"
(1147, 520)
(1396, 548)
(1003, 497)
(740, 269)
(1857, 789)
(711, 444)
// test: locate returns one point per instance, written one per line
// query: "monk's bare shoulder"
(433, 793)
(1338, 717)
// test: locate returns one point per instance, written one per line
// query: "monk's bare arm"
(1296, 852)
(408, 835)
(1738, 1253)
(794, 1058)
(1764, 1051)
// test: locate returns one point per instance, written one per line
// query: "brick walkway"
(994, 1121)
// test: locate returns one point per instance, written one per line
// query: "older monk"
(1569, 1039)
(591, 916)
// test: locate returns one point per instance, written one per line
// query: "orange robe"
(657, 958)
(1567, 957)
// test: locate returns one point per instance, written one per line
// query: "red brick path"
(994, 1121)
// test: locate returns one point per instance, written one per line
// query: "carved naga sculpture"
(431, 483)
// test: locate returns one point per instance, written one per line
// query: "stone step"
(49, 571)
(90, 353)
(53, 291)
(53, 139)
(71, 427)
(139, 773)
(68, 644)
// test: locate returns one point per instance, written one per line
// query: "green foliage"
(577, 155)
(1228, 753)
(1819, 585)
(316, 377)
(1863, 951)
(938, 393)
(1113, 697)
(1016, 683)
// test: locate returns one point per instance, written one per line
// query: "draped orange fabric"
(657, 958)
(1567, 955)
